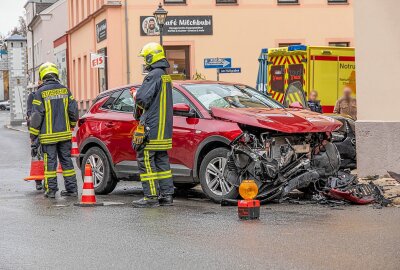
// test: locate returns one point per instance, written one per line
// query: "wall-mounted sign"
(97, 60)
(101, 31)
(230, 70)
(177, 25)
(217, 62)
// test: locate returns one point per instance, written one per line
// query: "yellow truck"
(324, 69)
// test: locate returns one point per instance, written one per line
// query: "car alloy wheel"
(215, 177)
(97, 169)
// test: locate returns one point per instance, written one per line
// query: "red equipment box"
(249, 209)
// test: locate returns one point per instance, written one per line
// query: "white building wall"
(51, 25)
(377, 38)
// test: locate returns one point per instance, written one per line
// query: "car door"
(120, 128)
(181, 154)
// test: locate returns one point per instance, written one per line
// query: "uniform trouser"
(62, 150)
(155, 173)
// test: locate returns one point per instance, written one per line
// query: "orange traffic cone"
(74, 149)
(88, 196)
(37, 170)
(59, 169)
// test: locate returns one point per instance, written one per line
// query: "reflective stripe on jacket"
(155, 98)
(54, 112)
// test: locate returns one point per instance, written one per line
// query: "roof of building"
(16, 37)
(40, 2)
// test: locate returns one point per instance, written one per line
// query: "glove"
(34, 150)
(138, 136)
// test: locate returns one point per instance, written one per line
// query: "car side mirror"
(182, 109)
(296, 105)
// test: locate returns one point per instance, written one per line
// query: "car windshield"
(230, 96)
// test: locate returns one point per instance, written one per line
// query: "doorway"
(179, 60)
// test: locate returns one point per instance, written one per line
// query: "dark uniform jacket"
(315, 106)
(154, 98)
(29, 105)
(54, 112)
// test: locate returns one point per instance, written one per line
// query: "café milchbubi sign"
(177, 25)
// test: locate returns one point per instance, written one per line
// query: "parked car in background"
(208, 116)
(5, 105)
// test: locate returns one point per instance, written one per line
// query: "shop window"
(174, 2)
(288, 1)
(103, 81)
(338, 1)
(179, 60)
(339, 44)
(226, 1)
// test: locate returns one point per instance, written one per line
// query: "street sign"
(217, 62)
(230, 70)
(97, 60)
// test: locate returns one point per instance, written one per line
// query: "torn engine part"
(280, 163)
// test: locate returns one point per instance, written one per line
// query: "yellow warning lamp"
(248, 208)
(248, 189)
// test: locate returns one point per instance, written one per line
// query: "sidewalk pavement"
(22, 128)
(390, 187)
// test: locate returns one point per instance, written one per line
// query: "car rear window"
(109, 103)
(124, 102)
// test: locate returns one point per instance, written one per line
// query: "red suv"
(207, 117)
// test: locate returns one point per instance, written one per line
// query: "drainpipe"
(128, 69)
(33, 55)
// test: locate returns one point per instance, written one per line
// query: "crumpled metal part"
(346, 187)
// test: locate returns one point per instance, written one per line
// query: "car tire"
(211, 176)
(2, 108)
(185, 185)
(100, 166)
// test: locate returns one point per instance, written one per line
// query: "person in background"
(313, 103)
(29, 105)
(346, 104)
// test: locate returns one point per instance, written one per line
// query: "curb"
(15, 129)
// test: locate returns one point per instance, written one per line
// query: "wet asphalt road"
(37, 233)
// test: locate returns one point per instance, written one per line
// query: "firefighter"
(54, 112)
(153, 135)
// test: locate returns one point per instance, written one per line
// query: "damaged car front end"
(280, 163)
(280, 149)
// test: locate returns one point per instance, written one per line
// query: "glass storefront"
(179, 60)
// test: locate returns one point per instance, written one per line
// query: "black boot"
(66, 193)
(146, 202)
(50, 194)
(166, 200)
(39, 185)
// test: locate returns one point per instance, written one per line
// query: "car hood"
(282, 120)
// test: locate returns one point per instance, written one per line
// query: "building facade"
(47, 22)
(3, 73)
(17, 80)
(378, 124)
(195, 30)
